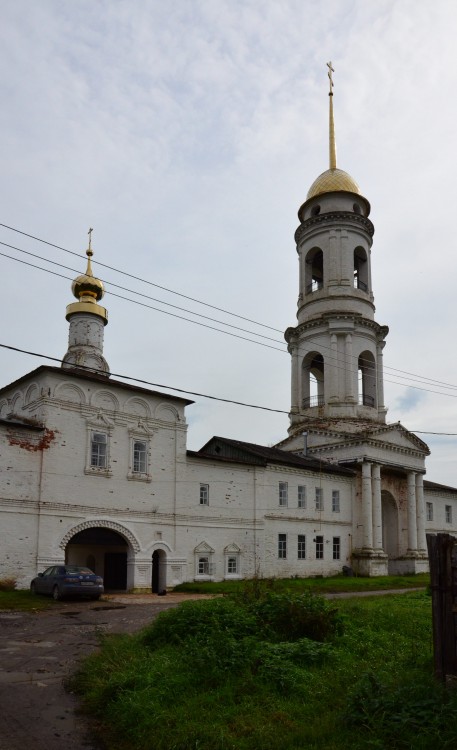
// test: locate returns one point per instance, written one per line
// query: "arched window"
(314, 270)
(360, 269)
(313, 380)
(367, 379)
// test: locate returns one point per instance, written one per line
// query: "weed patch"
(238, 673)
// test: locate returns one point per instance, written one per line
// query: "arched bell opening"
(313, 380)
(314, 270)
(361, 269)
(367, 380)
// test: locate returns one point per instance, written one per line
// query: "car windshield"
(74, 570)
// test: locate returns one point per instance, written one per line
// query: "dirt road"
(39, 650)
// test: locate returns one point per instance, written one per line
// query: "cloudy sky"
(187, 134)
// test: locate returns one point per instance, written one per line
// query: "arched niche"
(105, 400)
(137, 406)
(70, 392)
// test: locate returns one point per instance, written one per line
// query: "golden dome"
(331, 181)
(87, 285)
(88, 290)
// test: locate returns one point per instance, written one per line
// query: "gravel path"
(38, 651)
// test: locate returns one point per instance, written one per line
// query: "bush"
(8, 583)
(292, 616)
(200, 620)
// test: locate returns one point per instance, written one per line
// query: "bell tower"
(336, 346)
(87, 321)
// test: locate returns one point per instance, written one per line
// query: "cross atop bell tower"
(336, 347)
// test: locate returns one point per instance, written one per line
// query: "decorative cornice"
(334, 217)
(357, 318)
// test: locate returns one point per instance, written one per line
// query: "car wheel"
(56, 594)
(33, 589)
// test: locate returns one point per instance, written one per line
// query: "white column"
(333, 367)
(367, 512)
(380, 375)
(420, 511)
(294, 386)
(412, 521)
(350, 366)
(377, 507)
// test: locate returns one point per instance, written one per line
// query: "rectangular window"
(283, 494)
(429, 511)
(319, 498)
(232, 565)
(301, 547)
(335, 501)
(448, 511)
(203, 566)
(140, 464)
(319, 548)
(204, 494)
(98, 450)
(336, 548)
(301, 496)
(282, 546)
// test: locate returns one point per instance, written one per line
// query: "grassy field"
(269, 670)
(23, 601)
(329, 585)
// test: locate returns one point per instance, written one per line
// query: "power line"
(182, 390)
(145, 281)
(147, 382)
(234, 335)
(405, 376)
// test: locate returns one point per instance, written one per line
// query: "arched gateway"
(103, 548)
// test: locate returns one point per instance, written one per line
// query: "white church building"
(95, 471)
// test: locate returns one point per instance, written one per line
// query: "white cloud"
(187, 135)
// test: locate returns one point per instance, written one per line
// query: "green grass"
(230, 674)
(329, 585)
(22, 600)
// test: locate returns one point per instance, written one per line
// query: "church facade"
(95, 471)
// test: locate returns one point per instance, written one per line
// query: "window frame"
(97, 464)
(282, 546)
(204, 494)
(336, 506)
(319, 547)
(429, 510)
(448, 513)
(319, 498)
(336, 548)
(301, 547)
(283, 494)
(94, 467)
(301, 496)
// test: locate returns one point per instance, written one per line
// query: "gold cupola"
(333, 180)
(88, 290)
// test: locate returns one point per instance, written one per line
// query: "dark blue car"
(68, 580)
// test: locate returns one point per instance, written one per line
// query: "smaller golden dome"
(87, 285)
(331, 181)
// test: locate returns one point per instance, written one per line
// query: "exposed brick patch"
(32, 443)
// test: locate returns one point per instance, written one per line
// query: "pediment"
(204, 547)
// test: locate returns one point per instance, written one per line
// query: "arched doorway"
(159, 572)
(104, 551)
(390, 542)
